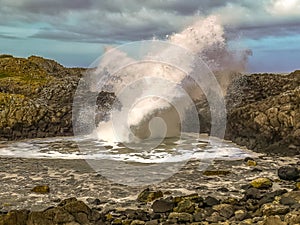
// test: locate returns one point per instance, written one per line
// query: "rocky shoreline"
(264, 113)
(261, 190)
(36, 97)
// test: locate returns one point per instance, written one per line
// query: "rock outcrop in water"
(36, 97)
(264, 112)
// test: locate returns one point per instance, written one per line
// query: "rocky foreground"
(264, 190)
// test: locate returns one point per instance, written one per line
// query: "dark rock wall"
(36, 98)
(264, 112)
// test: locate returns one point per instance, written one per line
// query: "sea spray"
(205, 39)
(156, 85)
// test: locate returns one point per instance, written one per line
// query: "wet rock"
(94, 201)
(240, 214)
(137, 222)
(270, 209)
(152, 222)
(216, 173)
(77, 206)
(185, 206)
(292, 217)
(273, 220)
(58, 215)
(295, 195)
(211, 201)
(270, 197)
(261, 183)
(287, 201)
(200, 215)
(225, 210)
(180, 217)
(148, 196)
(73, 223)
(42, 189)
(251, 163)
(36, 218)
(14, 218)
(253, 193)
(288, 173)
(223, 189)
(162, 206)
(215, 218)
(246, 222)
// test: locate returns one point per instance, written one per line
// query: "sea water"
(170, 150)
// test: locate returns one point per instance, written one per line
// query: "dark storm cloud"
(53, 7)
(113, 21)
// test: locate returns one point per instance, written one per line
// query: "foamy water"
(170, 150)
(150, 81)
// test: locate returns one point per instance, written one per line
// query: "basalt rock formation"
(264, 112)
(36, 97)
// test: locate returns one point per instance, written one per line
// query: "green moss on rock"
(261, 183)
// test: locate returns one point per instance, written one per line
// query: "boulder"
(162, 206)
(42, 189)
(261, 183)
(288, 173)
(148, 195)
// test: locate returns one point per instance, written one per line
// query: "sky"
(75, 32)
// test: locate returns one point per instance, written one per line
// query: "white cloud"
(121, 21)
(285, 7)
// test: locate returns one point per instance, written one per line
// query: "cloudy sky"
(74, 32)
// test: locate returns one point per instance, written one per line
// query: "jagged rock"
(263, 110)
(14, 217)
(36, 98)
(292, 217)
(240, 214)
(224, 210)
(273, 220)
(270, 209)
(148, 196)
(185, 205)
